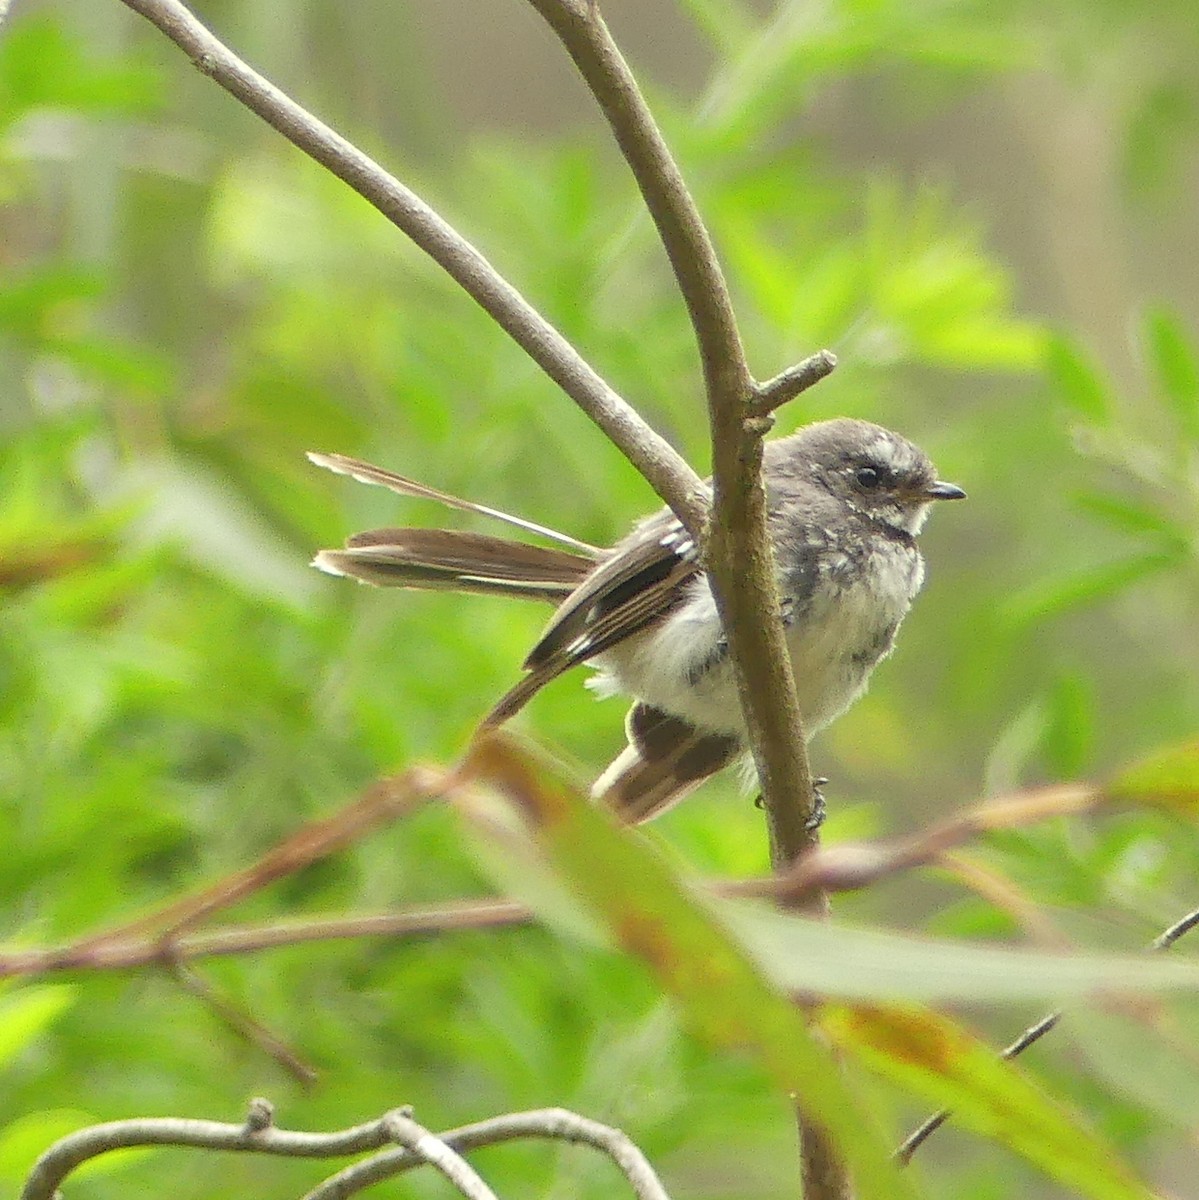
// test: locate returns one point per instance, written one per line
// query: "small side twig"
(786, 385)
(244, 1025)
(1032, 1034)
(431, 1149)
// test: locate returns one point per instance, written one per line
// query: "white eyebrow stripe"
(890, 452)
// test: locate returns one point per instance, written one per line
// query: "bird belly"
(835, 638)
(848, 628)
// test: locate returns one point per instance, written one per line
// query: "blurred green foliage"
(981, 207)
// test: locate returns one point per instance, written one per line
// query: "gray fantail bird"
(845, 500)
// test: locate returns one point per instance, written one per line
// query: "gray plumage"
(845, 500)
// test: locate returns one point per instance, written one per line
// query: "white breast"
(834, 642)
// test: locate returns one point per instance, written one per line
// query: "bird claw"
(816, 816)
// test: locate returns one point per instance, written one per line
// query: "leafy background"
(987, 210)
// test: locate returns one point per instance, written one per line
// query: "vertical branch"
(738, 554)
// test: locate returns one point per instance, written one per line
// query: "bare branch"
(256, 1135)
(116, 950)
(552, 1123)
(788, 384)
(661, 465)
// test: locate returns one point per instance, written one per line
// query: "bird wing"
(641, 579)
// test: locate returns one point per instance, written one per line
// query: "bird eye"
(868, 477)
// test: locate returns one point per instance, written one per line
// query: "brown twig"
(660, 464)
(379, 804)
(115, 950)
(257, 1135)
(850, 866)
(244, 1025)
(159, 938)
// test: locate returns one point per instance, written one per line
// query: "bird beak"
(944, 491)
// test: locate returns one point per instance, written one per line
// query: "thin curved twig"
(661, 465)
(256, 1134)
(429, 1148)
(1164, 941)
(557, 1124)
(241, 1023)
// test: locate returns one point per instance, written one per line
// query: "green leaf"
(939, 1060)
(1176, 367)
(41, 66)
(651, 915)
(27, 1012)
(1167, 779)
(1083, 587)
(1069, 726)
(1079, 384)
(831, 959)
(1130, 517)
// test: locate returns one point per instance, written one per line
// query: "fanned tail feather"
(666, 758)
(447, 559)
